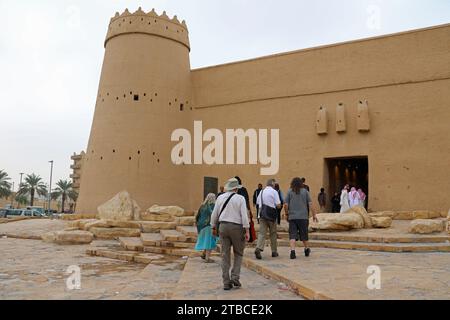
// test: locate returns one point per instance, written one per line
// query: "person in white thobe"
(345, 204)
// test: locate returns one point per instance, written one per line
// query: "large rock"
(68, 237)
(79, 224)
(163, 217)
(155, 226)
(84, 222)
(363, 214)
(173, 211)
(112, 224)
(186, 221)
(120, 208)
(123, 224)
(338, 221)
(95, 224)
(113, 233)
(381, 222)
(426, 226)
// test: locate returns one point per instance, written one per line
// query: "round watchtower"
(144, 94)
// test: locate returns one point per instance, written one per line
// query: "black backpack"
(266, 212)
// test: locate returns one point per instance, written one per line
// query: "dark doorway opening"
(210, 185)
(348, 170)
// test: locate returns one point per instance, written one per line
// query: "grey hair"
(271, 182)
(210, 199)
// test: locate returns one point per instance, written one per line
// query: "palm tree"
(64, 190)
(21, 200)
(33, 184)
(5, 185)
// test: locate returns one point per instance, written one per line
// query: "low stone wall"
(410, 215)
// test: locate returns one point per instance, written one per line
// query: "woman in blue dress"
(206, 241)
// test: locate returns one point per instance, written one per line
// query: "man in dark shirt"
(255, 196)
(305, 185)
(280, 194)
(222, 191)
(322, 199)
(307, 188)
(335, 201)
(243, 192)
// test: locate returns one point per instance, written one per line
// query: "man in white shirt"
(231, 213)
(268, 218)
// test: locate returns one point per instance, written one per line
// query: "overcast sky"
(51, 54)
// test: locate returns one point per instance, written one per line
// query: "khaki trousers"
(265, 225)
(231, 235)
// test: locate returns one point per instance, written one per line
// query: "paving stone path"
(32, 269)
(342, 274)
(35, 270)
(203, 281)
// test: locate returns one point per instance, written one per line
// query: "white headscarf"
(210, 199)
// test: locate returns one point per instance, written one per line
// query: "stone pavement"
(155, 282)
(342, 274)
(32, 269)
(202, 281)
(35, 270)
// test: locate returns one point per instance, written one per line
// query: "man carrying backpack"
(268, 202)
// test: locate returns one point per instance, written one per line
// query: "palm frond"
(33, 182)
(5, 185)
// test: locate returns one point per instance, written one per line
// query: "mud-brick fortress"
(374, 113)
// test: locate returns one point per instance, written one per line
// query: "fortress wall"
(408, 146)
(406, 57)
(405, 79)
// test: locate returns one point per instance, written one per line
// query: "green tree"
(33, 185)
(5, 185)
(65, 191)
(21, 200)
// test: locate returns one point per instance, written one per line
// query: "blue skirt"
(206, 240)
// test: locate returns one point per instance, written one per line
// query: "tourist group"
(229, 218)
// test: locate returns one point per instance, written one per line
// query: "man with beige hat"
(230, 221)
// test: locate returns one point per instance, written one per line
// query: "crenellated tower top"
(148, 23)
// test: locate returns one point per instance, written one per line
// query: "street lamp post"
(20, 183)
(12, 196)
(50, 187)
